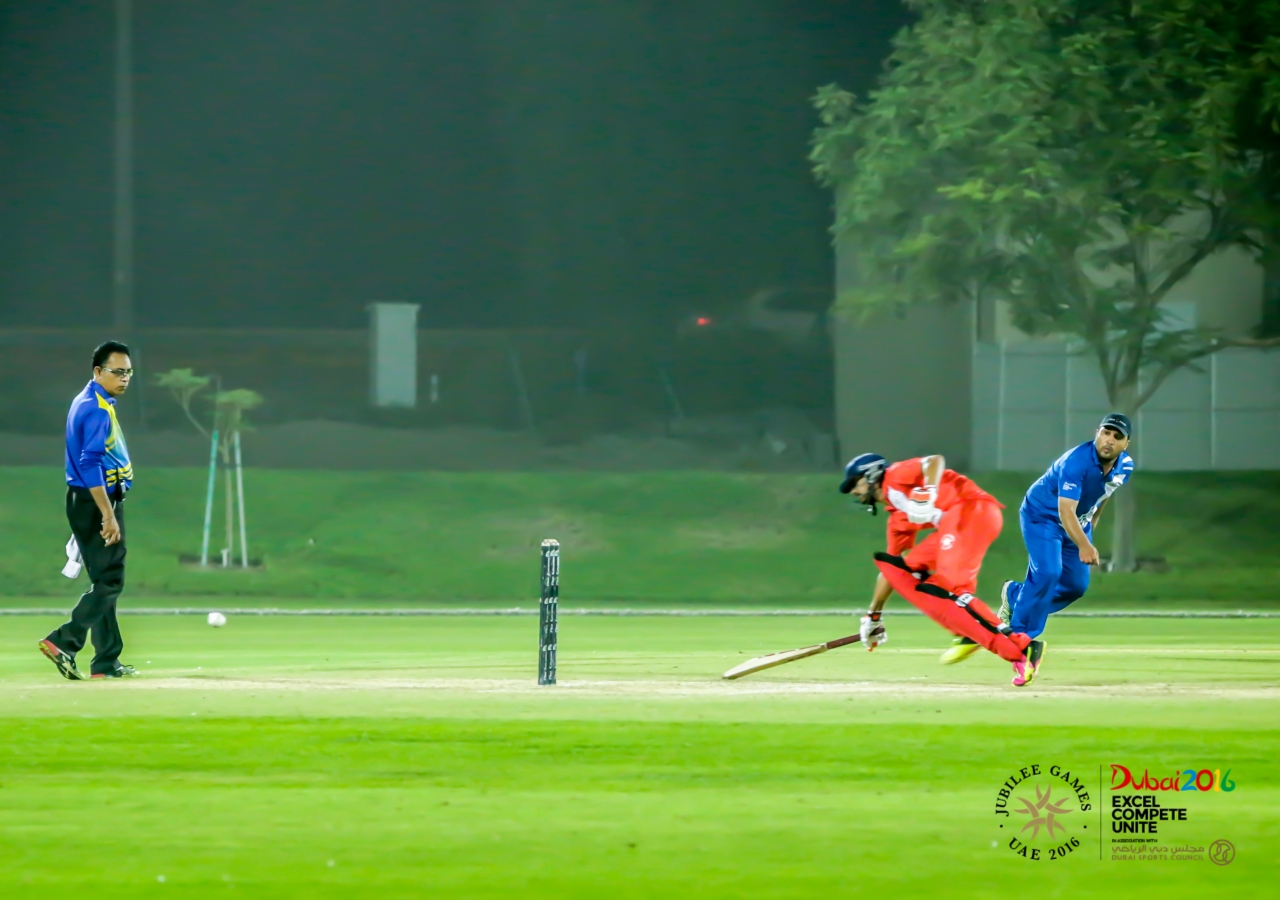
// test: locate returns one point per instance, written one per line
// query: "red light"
(703, 320)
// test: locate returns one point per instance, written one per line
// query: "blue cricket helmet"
(865, 465)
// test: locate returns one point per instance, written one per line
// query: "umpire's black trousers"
(96, 611)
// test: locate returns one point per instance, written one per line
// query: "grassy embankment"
(656, 538)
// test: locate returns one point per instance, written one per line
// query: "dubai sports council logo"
(1050, 826)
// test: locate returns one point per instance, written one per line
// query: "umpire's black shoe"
(117, 672)
(65, 662)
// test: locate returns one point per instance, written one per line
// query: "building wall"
(969, 384)
(902, 376)
(903, 383)
(1226, 290)
(1033, 399)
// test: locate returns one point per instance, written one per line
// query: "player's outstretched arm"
(872, 630)
(880, 594)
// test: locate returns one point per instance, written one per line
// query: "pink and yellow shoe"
(1025, 669)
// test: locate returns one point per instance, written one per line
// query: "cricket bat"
(760, 663)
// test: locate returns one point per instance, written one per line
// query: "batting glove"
(921, 508)
(872, 631)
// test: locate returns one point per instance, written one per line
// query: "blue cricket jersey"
(96, 452)
(1076, 475)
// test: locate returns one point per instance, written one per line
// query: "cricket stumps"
(547, 608)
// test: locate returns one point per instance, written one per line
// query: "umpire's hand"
(110, 530)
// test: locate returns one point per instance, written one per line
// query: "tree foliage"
(229, 407)
(184, 385)
(1077, 158)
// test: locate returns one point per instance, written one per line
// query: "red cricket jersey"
(899, 480)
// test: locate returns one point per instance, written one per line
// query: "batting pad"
(955, 618)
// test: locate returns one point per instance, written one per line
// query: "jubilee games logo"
(1046, 812)
(1041, 812)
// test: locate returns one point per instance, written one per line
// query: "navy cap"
(1119, 422)
(864, 465)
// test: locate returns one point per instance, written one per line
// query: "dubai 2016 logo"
(1192, 779)
(1038, 812)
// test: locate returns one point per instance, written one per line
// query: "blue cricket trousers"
(1055, 576)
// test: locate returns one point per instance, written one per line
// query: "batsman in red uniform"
(939, 574)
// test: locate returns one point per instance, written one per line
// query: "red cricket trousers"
(965, 615)
(954, 552)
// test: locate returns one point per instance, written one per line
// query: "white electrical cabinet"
(393, 355)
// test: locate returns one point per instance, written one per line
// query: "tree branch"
(1169, 367)
(1139, 269)
(1250, 342)
(1161, 376)
(186, 408)
(1209, 244)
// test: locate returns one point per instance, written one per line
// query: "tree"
(1257, 138)
(184, 385)
(1076, 158)
(229, 408)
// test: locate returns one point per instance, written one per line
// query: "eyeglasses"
(119, 373)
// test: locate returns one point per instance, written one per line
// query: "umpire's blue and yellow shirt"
(96, 452)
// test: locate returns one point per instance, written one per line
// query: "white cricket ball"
(217, 619)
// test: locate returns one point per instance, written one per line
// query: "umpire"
(98, 476)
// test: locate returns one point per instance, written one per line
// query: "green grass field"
(389, 758)
(653, 538)
(412, 757)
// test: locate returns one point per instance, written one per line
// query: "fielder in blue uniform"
(1057, 518)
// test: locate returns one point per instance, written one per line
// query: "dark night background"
(501, 162)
